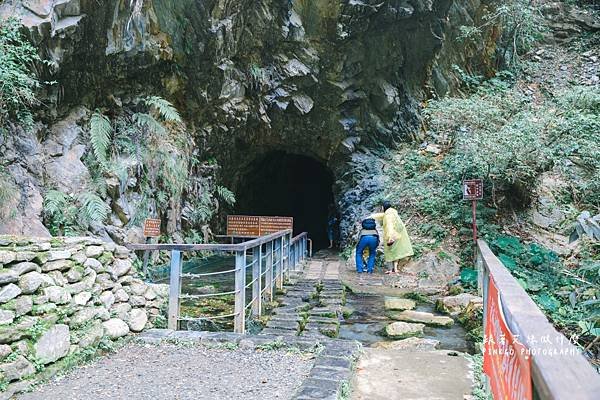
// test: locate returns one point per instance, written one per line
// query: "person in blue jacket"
(368, 239)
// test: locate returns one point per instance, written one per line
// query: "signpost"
(151, 229)
(473, 190)
(254, 226)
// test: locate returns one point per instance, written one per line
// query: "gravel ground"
(179, 372)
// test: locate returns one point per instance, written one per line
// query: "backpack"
(369, 223)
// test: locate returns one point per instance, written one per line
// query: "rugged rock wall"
(324, 78)
(61, 299)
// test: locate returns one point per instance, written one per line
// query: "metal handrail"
(567, 375)
(282, 253)
(211, 246)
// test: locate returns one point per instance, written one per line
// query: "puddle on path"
(368, 321)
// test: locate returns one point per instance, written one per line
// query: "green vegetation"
(569, 296)
(520, 23)
(67, 215)
(19, 82)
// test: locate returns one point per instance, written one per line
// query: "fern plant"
(92, 208)
(226, 195)
(100, 135)
(164, 108)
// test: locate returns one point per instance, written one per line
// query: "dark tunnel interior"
(284, 184)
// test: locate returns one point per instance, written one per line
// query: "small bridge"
(270, 258)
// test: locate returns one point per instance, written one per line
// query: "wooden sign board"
(152, 227)
(270, 225)
(254, 226)
(243, 225)
(473, 189)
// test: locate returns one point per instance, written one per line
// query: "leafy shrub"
(67, 216)
(17, 91)
(521, 25)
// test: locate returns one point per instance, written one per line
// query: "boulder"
(58, 278)
(121, 310)
(82, 298)
(79, 257)
(121, 296)
(5, 350)
(422, 317)
(107, 298)
(25, 256)
(24, 267)
(9, 292)
(401, 330)
(455, 305)
(54, 255)
(32, 281)
(57, 294)
(8, 276)
(94, 251)
(6, 257)
(150, 294)
(75, 274)
(53, 345)
(137, 301)
(18, 369)
(398, 304)
(121, 267)
(138, 288)
(115, 328)
(95, 265)
(58, 265)
(105, 281)
(23, 305)
(12, 333)
(92, 336)
(6, 317)
(137, 320)
(86, 284)
(83, 316)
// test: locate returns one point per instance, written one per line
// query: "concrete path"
(385, 374)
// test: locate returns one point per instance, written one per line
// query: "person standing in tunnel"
(368, 239)
(331, 222)
(397, 246)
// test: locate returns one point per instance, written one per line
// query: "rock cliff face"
(328, 79)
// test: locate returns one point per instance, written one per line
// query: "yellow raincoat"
(394, 230)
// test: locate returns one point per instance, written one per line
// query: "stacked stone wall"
(61, 299)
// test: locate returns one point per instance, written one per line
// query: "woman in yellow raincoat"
(397, 245)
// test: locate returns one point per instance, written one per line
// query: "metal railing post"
(269, 273)
(174, 289)
(256, 277)
(279, 269)
(239, 324)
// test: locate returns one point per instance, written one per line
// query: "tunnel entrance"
(284, 184)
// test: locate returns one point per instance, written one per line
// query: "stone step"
(403, 330)
(278, 332)
(289, 325)
(421, 317)
(399, 304)
(323, 320)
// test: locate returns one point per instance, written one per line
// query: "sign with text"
(506, 361)
(473, 189)
(152, 227)
(270, 225)
(254, 226)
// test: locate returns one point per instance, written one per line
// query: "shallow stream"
(368, 321)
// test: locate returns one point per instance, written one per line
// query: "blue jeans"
(370, 242)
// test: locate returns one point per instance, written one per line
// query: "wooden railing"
(273, 257)
(559, 375)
